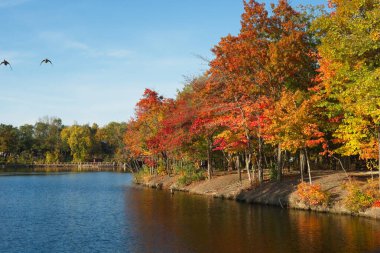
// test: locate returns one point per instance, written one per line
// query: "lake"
(104, 212)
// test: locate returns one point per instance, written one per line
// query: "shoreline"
(64, 167)
(281, 194)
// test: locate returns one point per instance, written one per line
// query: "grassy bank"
(343, 195)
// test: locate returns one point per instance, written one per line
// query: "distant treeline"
(49, 141)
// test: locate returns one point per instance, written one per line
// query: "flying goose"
(6, 63)
(46, 61)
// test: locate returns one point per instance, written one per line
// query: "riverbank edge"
(65, 167)
(281, 194)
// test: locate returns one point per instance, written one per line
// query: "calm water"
(101, 212)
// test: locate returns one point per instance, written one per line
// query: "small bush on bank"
(357, 200)
(372, 188)
(376, 204)
(189, 174)
(142, 175)
(312, 194)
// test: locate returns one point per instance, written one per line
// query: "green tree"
(48, 145)
(110, 138)
(26, 141)
(8, 142)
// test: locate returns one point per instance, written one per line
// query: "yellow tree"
(350, 74)
(293, 123)
(80, 141)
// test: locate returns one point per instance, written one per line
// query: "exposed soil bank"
(222, 186)
(269, 193)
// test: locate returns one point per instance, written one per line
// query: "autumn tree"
(179, 136)
(203, 129)
(271, 53)
(188, 130)
(293, 122)
(350, 73)
(142, 134)
(80, 140)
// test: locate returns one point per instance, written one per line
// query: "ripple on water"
(101, 212)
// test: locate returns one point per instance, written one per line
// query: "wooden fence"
(89, 166)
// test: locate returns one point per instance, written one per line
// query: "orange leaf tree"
(142, 134)
(269, 54)
(294, 123)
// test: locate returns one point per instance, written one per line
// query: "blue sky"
(105, 53)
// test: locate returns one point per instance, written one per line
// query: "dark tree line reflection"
(187, 223)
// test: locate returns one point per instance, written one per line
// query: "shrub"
(312, 194)
(273, 171)
(142, 175)
(376, 203)
(178, 169)
(189, 174)
(357, 200)
(161, 168)
(51, 157)
(371, 188)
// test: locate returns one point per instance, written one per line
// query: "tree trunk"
(302, 163)
(253, 172)
(247, 163)
(238, 167)
(166, 161)
(308, 165)
(279, 165)
(230, 162)
(209, 172)
(259, 166)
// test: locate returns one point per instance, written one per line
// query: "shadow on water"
(188, 223)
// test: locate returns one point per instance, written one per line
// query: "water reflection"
(187, 223)
(102, 212)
